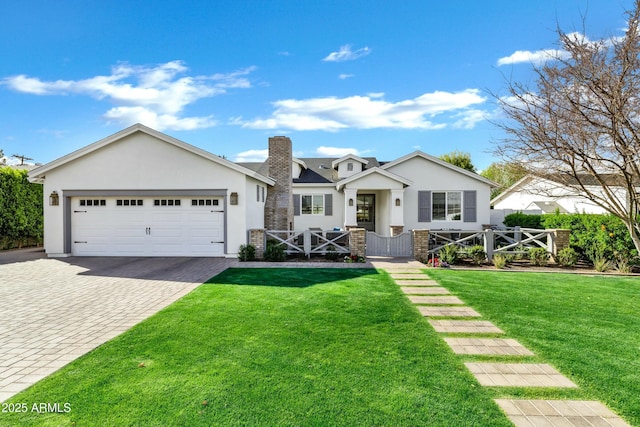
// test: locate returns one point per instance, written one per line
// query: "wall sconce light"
(398, 202)
(233, 199)
(54, 199)
(350, 202)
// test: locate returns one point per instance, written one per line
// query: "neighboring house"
(537, 195)
(140, 192)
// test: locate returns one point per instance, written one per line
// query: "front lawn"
(586, 326)
(272, 347)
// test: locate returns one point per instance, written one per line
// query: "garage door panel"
(147, 229)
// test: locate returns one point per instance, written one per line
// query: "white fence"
(310, 242)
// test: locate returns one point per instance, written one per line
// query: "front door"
(366, 211)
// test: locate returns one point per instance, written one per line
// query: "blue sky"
(378, 78)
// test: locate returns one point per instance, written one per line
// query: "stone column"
(357, 239)
(396, 230)
(257, 238)
(421, 244)
(557, 240)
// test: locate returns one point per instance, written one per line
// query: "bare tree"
(581, 122)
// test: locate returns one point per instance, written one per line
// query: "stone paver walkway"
(417, 282)
(518, 375)
(435, 290)
(533, 413)
(488, 346)
(523, 413)
(465, 326)
(421, 299)
(447, 311)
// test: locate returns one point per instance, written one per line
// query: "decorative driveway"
(53, 311)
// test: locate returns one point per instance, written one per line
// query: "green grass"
(588, 327)
(271, 347)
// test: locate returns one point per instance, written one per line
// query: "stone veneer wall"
(357, 240)
(558, 240)
(256, 238)
(278, 211)
(396, 230)
(420, 244)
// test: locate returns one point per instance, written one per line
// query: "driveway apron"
(53, 311)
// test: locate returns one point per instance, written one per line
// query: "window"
(205, 202)
(129, 202)
(312, 204)
(447, 206)
(166, 202)
(93, 202)
(350, 167)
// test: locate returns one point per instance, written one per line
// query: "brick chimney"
(278, 213)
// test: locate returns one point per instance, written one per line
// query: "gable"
(139, 152)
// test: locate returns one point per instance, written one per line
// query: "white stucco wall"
(326, 222)
(142, 162)
(430, 176)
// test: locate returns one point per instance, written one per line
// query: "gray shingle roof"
(318, 169)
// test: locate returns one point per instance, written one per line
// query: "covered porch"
(374, 200)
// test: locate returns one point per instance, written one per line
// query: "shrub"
(595, 236)
(518, 219)
(449, 254)
(247, 253)
(477, 254)
(499, 261)
(538, 256)
(274, 251)
(601, 264)
(332, 254)
(567, 257)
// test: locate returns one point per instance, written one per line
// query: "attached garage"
(147, 226)
(140, 192)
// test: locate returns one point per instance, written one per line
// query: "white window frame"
(449, 213)
(317, 204)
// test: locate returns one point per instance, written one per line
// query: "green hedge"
(594, 237)
(21, 217)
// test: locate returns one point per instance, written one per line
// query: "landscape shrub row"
(595, 238)
(21, 216)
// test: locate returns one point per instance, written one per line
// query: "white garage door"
(147, 226)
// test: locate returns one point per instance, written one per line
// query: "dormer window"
(350, 166)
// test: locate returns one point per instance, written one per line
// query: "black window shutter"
(424, 206)
(469, 201)
(328, 204)
(296, 204)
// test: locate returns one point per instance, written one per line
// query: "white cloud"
(336, 151)
(153, 95)
(346, 54)
(366, 112)
(345, 76)
(252, 156)
(537, 57)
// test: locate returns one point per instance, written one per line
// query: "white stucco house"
(540, 195)
(140, 192)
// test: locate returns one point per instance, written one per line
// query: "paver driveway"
(52, 311)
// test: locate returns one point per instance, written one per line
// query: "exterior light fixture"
(54, 199)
